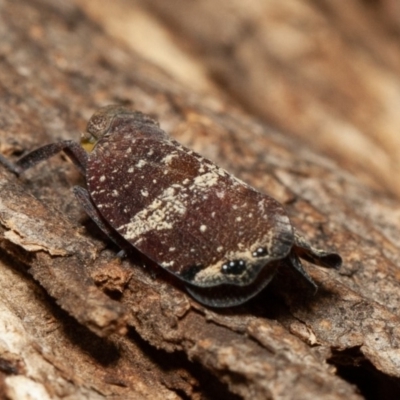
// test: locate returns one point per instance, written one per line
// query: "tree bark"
(75, 321)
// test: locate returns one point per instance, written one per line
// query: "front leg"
(72, 149)
(86, 202)
(295, 262)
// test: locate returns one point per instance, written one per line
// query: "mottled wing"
(182, 211)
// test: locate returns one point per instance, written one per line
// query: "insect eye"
(259, 252)
(234, 267)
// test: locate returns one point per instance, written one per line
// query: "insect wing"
(185, 213)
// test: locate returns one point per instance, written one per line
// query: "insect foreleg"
(296, 264)
(72, 149)
(84, 199)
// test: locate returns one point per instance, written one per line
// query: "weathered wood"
(325, 71)
(130, 330)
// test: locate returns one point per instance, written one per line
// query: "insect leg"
(84, 199)
(315, 256)
(72, 149)
(296, 264)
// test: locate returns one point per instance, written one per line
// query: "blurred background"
(324, 70)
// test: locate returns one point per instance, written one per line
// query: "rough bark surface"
(77, 323)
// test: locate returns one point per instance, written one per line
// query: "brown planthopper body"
(220, 236)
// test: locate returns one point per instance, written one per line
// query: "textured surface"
(175, 206)
(56, 68)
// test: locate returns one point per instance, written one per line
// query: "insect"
(224, 239)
